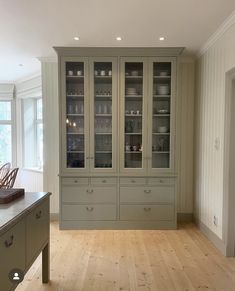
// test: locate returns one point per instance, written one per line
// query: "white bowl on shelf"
(162, 129)
(163, 73)
(134, 73)
(162, 111)
(163, 89)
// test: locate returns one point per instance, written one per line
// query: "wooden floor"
(108, 260)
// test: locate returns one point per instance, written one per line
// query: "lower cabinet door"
(89, 212)
(12, 253)
(147, 212)
(37, 225)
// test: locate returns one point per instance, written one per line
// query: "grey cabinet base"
(138, 225)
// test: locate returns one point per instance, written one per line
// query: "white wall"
(216, 60)
(51, 132)
(185, 108)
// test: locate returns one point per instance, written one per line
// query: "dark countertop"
(11, 212)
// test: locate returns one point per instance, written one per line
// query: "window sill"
(36, 170)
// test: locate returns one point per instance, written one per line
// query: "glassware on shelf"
(105, 109)
(82, 108)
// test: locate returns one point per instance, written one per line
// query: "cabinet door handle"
(75, 181)
(104, 181)
(147, 191)
(92, 158)
(147, 209)
(9, 242)
(38, 214)
(87, 158)
(89, 191)
(90, 208)
(133, 181)
(161, 181)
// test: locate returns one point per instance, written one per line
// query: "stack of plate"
(163, 89)
(130, 91)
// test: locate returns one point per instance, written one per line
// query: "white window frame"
(36, 168)
(11, 122)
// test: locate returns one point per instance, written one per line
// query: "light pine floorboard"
(111, 260)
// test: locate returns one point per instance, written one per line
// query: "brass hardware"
(147, 191)
(9, 242)
(90, 208)
(38, 214)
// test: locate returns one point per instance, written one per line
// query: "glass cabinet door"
(75, 108)
(161, 110)
(103, 110)
(133, 112)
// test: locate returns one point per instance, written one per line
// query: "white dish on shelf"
(162, 129)
(134, 73)
(163, 89)
(162, 111)
(163, 73)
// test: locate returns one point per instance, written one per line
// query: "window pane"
(39, 108)
(5, 143)
(40, 145)
(5, 110)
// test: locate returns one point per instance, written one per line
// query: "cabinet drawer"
(103, 181)
(89, 194)
(161, 181)
(37, 229)
(132, 181)
(147, 212)
(89, 212)
(75, 181)
(12, 253)
(146, 194)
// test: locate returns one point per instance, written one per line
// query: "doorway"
(229, 165)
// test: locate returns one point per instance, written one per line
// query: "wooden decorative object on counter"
(8, 195)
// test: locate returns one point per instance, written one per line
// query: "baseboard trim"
(217, 242)
(54, 216)
(184, 217)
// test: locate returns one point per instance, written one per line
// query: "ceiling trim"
(6, 91)
(28, 77)
(48, 59)
(217, 34)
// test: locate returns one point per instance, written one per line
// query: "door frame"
(228, 195)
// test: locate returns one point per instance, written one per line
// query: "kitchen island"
(24, 234)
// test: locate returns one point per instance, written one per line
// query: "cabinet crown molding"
(119, 51)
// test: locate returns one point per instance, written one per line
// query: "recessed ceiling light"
(76, 38)
(118, 38)
(161, 38)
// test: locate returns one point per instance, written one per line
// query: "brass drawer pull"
(147, 209)
(38, 215)
(161, 181)
(147, 191)
(9, 242)
(90, 208)
(89, 191)
(75, 181)
(104, 181)
(133, 181)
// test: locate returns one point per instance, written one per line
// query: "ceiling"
(30, 28)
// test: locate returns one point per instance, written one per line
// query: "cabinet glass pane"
(75, 115)
(133, 115)
(103, 114)
(161, 115)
